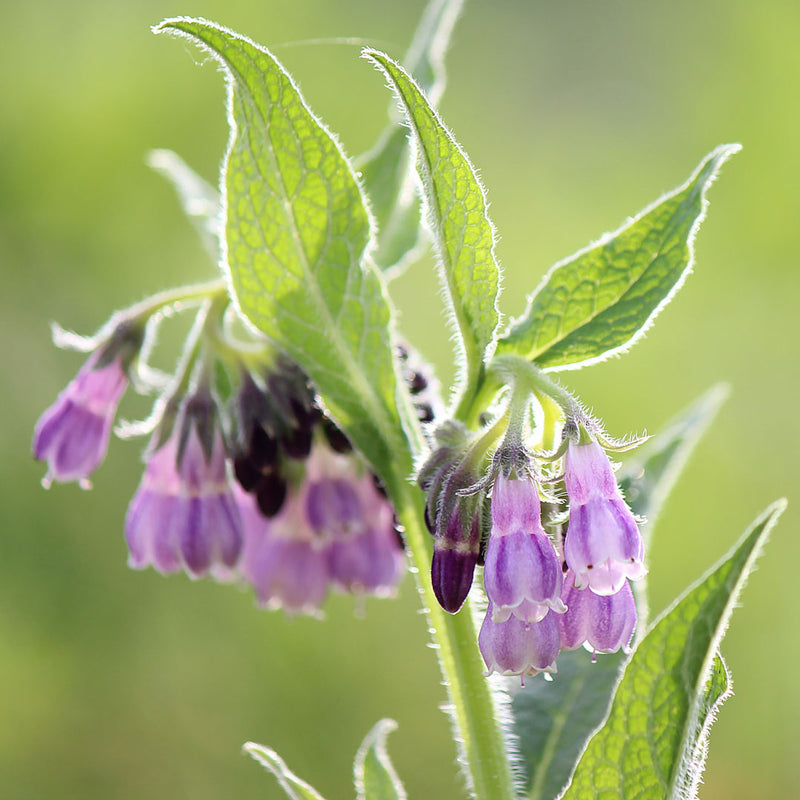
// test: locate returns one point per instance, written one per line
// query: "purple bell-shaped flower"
(184, 513)
(603, 545)
(522, 573)
(605, 622)
(348, 513)
(517, 647)
(72, 435)
(283, 559)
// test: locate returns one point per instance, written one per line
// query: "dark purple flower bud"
(263, 448)
(603, 545)
(296, 442)
(335, 436)
(270, 494)
(184, 513)
(517, 647)
(283, 560)
(454, 558)
(522, 573)
(247, 474)
(605, 622)
(72, 435)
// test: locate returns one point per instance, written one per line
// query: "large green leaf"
(375, 777)
(647, 478)
(601, 300)
(652, 744)
(457, 213)
(295, 788)
(297, 231)
(386, 170)
(553, 719)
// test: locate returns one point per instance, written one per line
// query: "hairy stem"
(474, 706)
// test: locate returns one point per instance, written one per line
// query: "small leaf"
(374, 774)
(647, 478)
(650, 743)
(554, 719)
(295, 788)
(599, 301)
(297, 231)
(457, 213)
(386, 170)
(200, 201)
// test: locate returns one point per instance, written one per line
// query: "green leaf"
(651, 744)
(297, 231)
(374, 774)
(457, 213)
(200, 201)
(554, 719)
(386, 170)
(599, 301)
(647, 478)
(295, 788)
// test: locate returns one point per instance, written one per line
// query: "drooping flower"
(283, 559)
(454, 558)
(517, 647)
(183, 514)
(72, 435)
(603, 545)
(346, 510)
(522, 574)
(605, 622)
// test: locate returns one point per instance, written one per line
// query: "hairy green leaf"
(599, 301)
(554, 719)
(647, 478)
(374, 774)
(386, 170)
(651, 743)
(295, 788)
(457, 213)
(297, 231)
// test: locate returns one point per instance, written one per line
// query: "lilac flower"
(603, 545)
(522, 574)
(356, 522)
(72, 435)
(283, 559)
(454, 560)
(184, 513)
(517, 647)
(605, 622)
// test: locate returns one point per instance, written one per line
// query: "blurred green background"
(129, 685)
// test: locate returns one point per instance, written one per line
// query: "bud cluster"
(545, 592)
(264, 489)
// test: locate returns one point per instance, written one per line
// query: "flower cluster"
(545, 594)
(265, 489)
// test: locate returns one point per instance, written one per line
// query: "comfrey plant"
(301, 447)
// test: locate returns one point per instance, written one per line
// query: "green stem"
(475, 705)
(191, 294)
